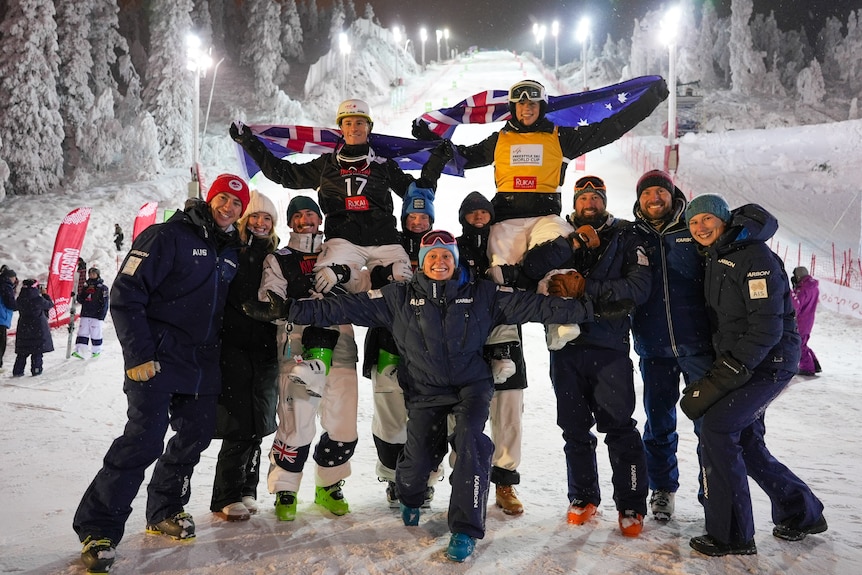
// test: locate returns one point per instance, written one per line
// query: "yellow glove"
(144, 371)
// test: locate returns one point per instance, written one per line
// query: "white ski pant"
(509, 241)
(360, 259)
(89, 330)
(297, 411)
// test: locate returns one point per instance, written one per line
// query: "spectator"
(249, 368)
(757, 348)
(441, 321)
(671, 328)
(476, 215)
(167, 304)
(334, 397)
(592, 375)
(94, 300)
(806, 294)
(32, 336)
(8, 305)
(118, 237)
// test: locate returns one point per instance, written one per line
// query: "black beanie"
(475, 201)
(655, 178)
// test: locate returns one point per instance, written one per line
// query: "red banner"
(62, 277)
(145, 218)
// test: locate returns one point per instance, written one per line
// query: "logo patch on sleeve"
(757, 289)
(643, 260)
(131, 265)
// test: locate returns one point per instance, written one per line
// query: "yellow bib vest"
(528, 162)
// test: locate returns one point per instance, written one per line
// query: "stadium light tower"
(446, 37)
(396, 34)
(423, 34)
(344, 46)
(439, 35)
(669, 28)
(583, 34)
(198, 63)
(555, 31)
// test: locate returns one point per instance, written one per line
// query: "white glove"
(401, 271)
(502, 369)
(325, 279)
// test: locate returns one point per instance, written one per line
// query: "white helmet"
(349, 108)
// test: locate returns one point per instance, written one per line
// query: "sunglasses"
(527, 92)
(437, 237)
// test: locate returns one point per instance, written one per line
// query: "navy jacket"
(33, 334)
(94, 299)
(617, 269)
(672, 322)
(748, 294)
(168, 301)
(440, 327)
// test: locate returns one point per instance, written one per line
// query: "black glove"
(276, 308)
(725, 375)
(240, 133)
(608, 310)
(421, 131)
(585, 237)
(444, 151)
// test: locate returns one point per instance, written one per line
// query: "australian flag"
(579, 109)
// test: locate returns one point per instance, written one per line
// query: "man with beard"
(592, 375)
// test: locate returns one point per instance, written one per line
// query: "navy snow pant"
(661, 394)
(595, 386)
(426, 447)
(732, 446)
(107, 503)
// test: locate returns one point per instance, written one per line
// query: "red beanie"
(230, 184)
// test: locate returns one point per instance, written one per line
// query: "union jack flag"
(284, 452)
(579, 109)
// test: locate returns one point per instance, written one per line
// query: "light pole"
(423, 34)
(198, 62)
(540, 38)
(583, 34)
(344, 46)
(446, 37)
(669, 27)
(396, 32)
(439, 35)
(555, 30)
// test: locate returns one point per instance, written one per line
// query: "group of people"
(32, 335)
(222, 331)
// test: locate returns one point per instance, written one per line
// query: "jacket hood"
(749, 224)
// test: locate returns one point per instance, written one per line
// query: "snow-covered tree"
(349, 12)
(76, 98)
(291, 31)
(262, 47)
(202, 22)
(112, 63)
(747, 69)
(4, 172)
(848, 53)
(169, 90)
(705, 50)
(336, 25)
(829, 42)
(810, 86)
(142, 143)
(31, 127)
(368, 14)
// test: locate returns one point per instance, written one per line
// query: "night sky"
(508, 23)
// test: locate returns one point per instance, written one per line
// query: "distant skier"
(94, 299)
(118, 237)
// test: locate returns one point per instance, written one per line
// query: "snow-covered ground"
(54, 429)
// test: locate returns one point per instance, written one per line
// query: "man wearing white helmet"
(353, 186)
(530, 156)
